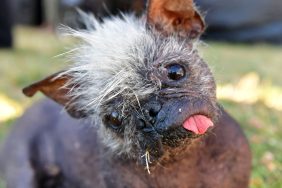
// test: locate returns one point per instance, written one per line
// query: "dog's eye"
(175, 72)
(114, 120)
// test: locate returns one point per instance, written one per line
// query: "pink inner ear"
(175, 17)
(178, 5)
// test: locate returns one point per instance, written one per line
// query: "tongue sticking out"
(198, 124)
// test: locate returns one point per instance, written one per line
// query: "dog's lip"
(198, 124)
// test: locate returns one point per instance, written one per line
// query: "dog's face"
(169, 101)
(143, 82)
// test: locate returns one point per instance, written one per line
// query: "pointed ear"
(175, 17)
(54, 87)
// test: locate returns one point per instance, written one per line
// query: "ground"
(249, 87)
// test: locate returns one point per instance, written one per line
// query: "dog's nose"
(151, 110)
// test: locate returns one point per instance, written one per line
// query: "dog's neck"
(173, 158)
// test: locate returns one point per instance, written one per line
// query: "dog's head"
(141, 80)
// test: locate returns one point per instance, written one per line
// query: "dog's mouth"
(191, 127)
(198, 124)
(172, 144)
(178, 125)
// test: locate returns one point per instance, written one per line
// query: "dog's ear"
(175, 17)
(54, 87)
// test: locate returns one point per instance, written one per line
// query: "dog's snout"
(151, 110)
(145, 126)
(150, 113)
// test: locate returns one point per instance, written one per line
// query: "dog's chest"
(83, 162)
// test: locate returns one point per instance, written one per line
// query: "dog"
(141, 112)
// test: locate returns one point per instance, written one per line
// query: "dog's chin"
(178, 137)
(171, 146)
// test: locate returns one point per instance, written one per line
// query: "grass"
(32, 60)
(261, 122)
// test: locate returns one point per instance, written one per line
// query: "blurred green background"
(249, 87)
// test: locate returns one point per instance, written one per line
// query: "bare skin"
(68, 154)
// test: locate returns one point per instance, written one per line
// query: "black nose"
(151, 111)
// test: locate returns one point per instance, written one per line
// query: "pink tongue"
(198, 124)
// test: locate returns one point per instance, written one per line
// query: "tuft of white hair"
(107, 62)
(110, 57)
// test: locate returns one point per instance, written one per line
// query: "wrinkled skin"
(51, 149)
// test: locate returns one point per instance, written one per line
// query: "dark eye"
(114, 120)
(175, 72)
